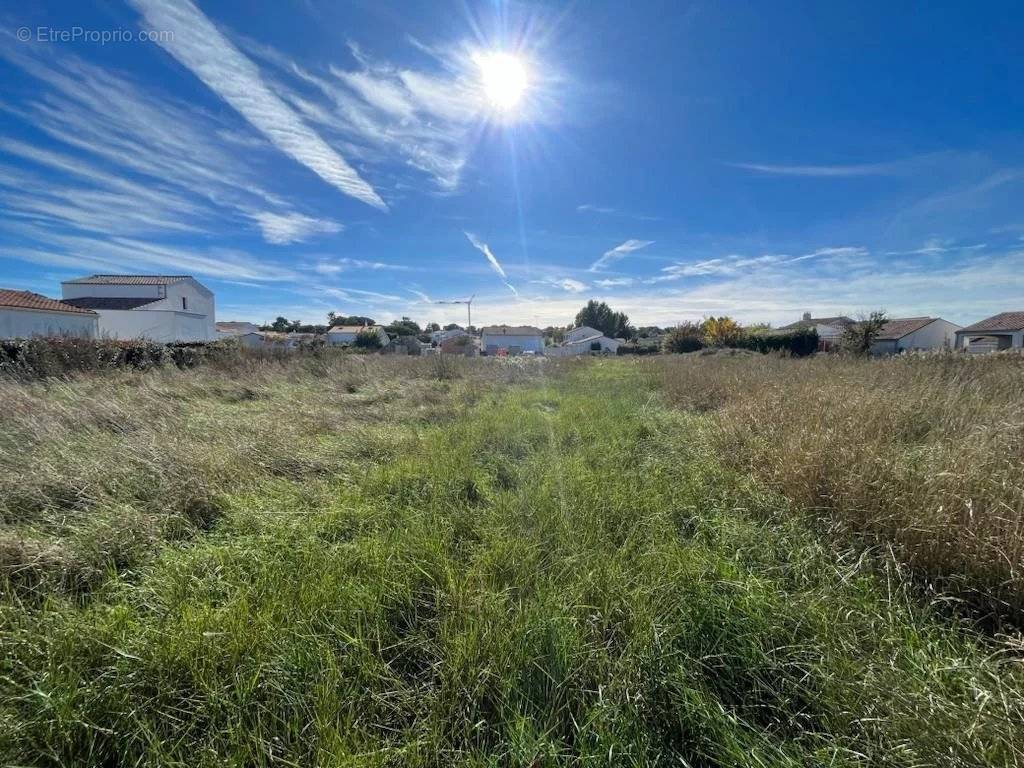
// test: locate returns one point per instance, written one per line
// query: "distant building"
(342, 335)
(24, 314)
(236, 328)
(584, 341)
(1002, 331)
(914, 333)
(513, 339)
(438, 337)
(161, 308)
(830, 329)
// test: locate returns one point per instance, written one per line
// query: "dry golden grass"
(923, 454)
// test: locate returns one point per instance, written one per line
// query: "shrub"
(41, 357)
(797, 343)
(721, 331)
(368, 339)
(685, 337)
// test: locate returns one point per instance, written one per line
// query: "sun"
(504, 80)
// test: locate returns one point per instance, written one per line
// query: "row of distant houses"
(909, 334)
(176, 308)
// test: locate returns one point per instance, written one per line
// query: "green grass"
(546, 568)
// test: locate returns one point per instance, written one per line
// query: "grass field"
(388, 562)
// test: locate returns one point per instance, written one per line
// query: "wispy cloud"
(334, 266)
(283, 228)
(486, 251)
(833, 252)
(866, 169)
(614, 282)
(200, 47)
(568, 284)
(735, 264)
(607, 210)
(618, 252)
(381, 112)
(129, 161)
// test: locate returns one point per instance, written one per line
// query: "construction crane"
(469, 308)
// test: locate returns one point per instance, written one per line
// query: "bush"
(796, 343)
(40, 357)
(637, 349)
(685, 337)
(368, 339)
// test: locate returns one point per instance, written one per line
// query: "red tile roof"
(29, 300)
(1004, 321)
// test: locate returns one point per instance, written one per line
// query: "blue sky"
(675, 159)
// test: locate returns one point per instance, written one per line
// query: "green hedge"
(796, 343)
(58, 356)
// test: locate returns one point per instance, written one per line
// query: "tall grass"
(525, 565)
(922, 454)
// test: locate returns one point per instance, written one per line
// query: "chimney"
(807, 315)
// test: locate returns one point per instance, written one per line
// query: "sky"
(677, 160)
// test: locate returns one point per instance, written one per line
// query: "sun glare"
(503, 77)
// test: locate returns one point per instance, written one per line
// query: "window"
(184, 303)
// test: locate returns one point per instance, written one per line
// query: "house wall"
(198, 303)
(156, 325)
(492, 343)
(991, 342)
(940, 334)
(25, 323)
(582, 347)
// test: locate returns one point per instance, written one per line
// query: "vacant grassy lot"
(920, 455)
(381, 562)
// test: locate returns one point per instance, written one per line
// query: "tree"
(452, 327)
(431, 327)
(601, 317)
(858, 337)
(368, 339)
(282, 325)
(333, 318)
(685, 337)
(404, 327)
(721, 331)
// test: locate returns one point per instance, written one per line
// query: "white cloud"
(614, 282)
(486, 251)
(200, 47)
(840, 252)
(382, 112)
(568, 284)
(344, 264)
(619, 252)
(866, 169)
(133, 163)
(284, 228)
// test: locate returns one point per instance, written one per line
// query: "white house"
(161, 308)
(1002, 331)
(24, 314)
(514, 339)
(439, 337)
(342, 335)
(914, 333)
(584, 341)
(829, 329)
